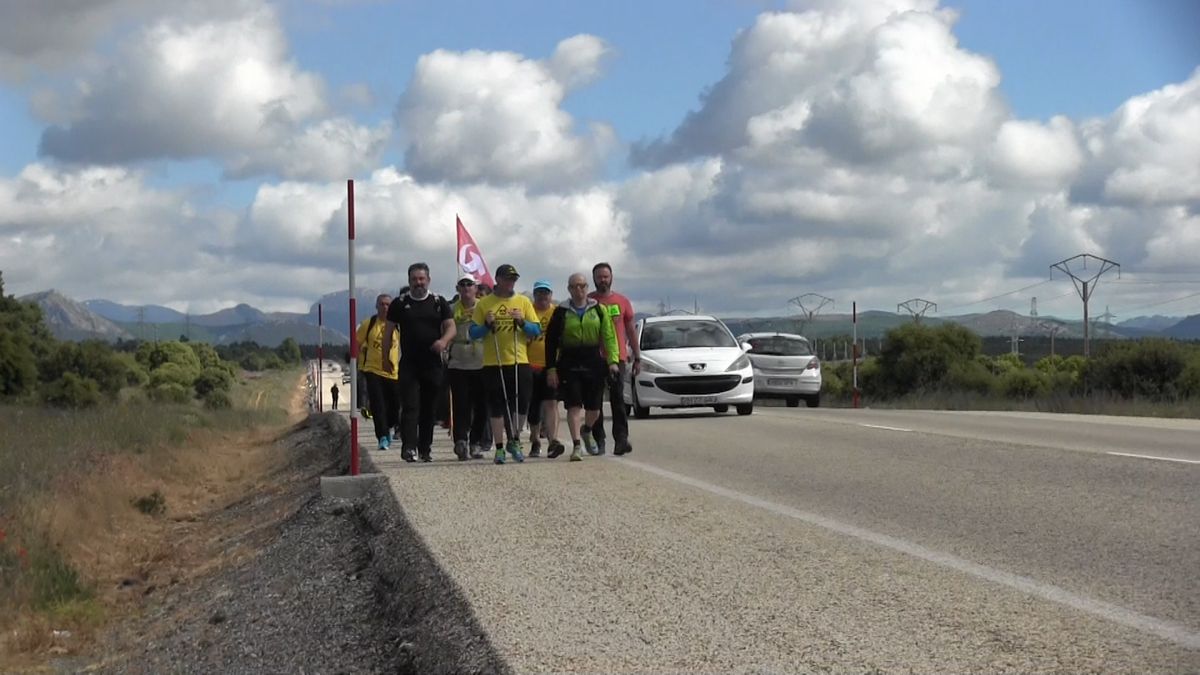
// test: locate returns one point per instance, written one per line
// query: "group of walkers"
(507, 360)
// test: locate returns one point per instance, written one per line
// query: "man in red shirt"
(619, 308)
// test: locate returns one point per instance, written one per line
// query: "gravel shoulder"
(296, 584)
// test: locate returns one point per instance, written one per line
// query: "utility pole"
(142, 323)
(1085, 285)
(917, 307)
(187, 330)
(809, 305)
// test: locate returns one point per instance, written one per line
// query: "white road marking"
(1162, 459)
(880, 426)
(1167, 630)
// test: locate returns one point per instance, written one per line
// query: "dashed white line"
(1167, 630)
(1161, 459)
(880, 426)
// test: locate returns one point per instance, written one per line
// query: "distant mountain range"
(105, 320)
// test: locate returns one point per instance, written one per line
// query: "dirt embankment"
(279, 580)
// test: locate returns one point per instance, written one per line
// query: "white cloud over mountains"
(852, 148)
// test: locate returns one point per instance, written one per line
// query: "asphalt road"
(799, 540)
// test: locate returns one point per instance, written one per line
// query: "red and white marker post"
(353, 336)
(320, 360)
(854, 337)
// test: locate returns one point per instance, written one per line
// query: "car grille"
(698, 384)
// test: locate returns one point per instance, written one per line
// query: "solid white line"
(880, 426)
(1167, 630)
(1163, 459)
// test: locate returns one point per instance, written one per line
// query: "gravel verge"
(306, 585)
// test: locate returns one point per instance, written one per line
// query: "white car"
(689, 361)
(784, 367)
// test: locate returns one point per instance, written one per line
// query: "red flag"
(470, 260)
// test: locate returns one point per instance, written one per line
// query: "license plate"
(781, 383)
(697, 400)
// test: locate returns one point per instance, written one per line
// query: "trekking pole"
(516, 379)
(503, 386)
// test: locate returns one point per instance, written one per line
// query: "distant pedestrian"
(620, 310)
(426, 324)
(543, 406)
(333, 391)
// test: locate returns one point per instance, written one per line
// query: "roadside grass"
(72, 480)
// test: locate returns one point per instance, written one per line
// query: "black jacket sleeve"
(554, 336)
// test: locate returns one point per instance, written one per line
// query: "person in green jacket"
(575, 363)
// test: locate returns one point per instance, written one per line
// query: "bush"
(71, 391)
(18, 371)
(212, 379)
(832, 384)
(1149, 368)
(971, 376)
(218, 400)
(918, 358)
(173, 373)
(153, 504)
(1189, 379)
(170, 392)
(1024, 383)
(1005, 363)
(153, 355)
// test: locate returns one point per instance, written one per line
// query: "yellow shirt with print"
(371, 348)
(507, 345)
(537, 346)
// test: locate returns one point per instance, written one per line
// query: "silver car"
(784, 367)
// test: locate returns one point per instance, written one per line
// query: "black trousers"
(383, 395)
(616, 400)
(419, 387)
(470, 405)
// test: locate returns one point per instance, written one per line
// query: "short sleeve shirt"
(617, 307)
(507, 345)
(420, 324)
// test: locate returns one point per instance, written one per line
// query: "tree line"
(36, 367)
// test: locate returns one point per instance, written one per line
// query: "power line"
(1002, 295)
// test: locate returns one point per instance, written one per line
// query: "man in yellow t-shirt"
(383, 388)
(543, 403)
(499, 320)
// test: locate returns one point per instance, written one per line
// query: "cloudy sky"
(732, 152)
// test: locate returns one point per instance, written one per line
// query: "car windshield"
(778, 345)
(682, 334)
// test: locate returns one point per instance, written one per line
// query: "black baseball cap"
(508, 271)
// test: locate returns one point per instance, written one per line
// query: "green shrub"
(1189, 379)
(832, 384)
(1148, 368)
(213, 378)
(153, 504)
(916, 357)
(71, 391)
(1024, 383)
(169, 392)
(971, 376)
(153, 355)
(1005, 363)
(174, 373)
(218, 400)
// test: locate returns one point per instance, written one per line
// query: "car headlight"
(649, 366)
(740, 363)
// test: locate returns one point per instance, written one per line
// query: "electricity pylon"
(1085, 285)
(809, 305)
(917, 307)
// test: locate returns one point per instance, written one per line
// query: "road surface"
(797, 540)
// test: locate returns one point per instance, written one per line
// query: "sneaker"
(577, 454)
(623, 448)
(426, 455)
(499, 456)
(535, 449)
(384, 442)
(599, 446)
(556, 450)
(514, 449)
(590, 444)
(461, 450)
(476, 452)
(408, 455)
